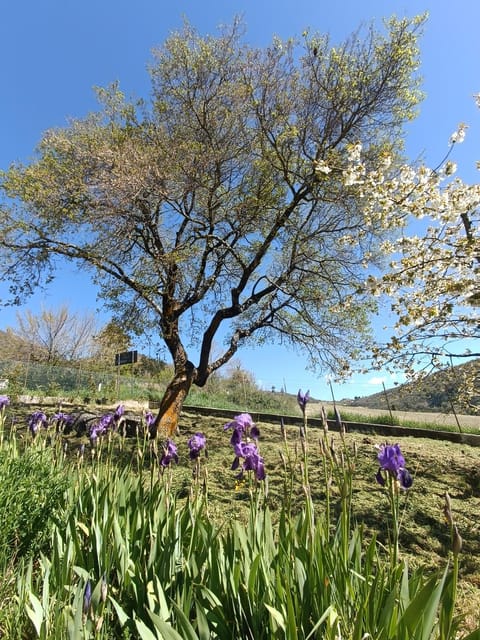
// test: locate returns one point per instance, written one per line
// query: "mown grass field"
(438, 419)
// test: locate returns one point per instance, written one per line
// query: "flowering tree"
(232, 204)
(433, 279)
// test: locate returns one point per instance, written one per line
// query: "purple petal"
(405, 479)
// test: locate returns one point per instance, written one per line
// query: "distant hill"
(436, 392)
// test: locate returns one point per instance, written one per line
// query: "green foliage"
(31, 499)
(283, 559)
(239, 390)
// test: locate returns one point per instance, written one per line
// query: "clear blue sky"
(54, 51)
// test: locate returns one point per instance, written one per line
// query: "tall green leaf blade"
(202, 623)
(145, 633)
(184, 625)
(35, 613)
(167, 632)
(277, 616)
(421, 613)
(123, 617)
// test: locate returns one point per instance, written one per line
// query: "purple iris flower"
(242, 422)
(60, 416)
(252, 460)
(119, 411)
(392, 463)
(106, 421)
(149, 418)
(405, 478)
(149, 422)
(93, 433)
(63, 419)
(196, 443)
(36, 421)
(390, 458)
(101, 427)
(243, 426)
(302, 399)
(87, 597)
(4, 402)
(169, 453)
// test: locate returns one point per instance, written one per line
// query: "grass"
(437, 467)
(425, 538)
(387, 419)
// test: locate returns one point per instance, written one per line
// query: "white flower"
(321, 167)
(351, 176)
(458, 136)
(450, 168)
(407, 174)
(354, 152)
(477, 99)
(424, 175)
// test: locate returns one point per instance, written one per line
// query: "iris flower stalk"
(196, 444)
(394, 476)
(288, 469)
(244, 439)
(4, 402)
(169, 455)
(447, 613)
(302, 400)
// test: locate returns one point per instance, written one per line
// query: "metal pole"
(388, 403)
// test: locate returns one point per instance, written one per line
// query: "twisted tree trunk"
(166, 422)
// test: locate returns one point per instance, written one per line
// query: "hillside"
(436, 392)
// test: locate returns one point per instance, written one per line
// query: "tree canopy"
(235, 201)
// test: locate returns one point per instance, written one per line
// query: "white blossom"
(458, 136)
(354, 152)
(321, 167)
(450, 168)
(350, 177)
(407, 174)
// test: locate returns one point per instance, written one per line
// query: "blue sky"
(53, 52)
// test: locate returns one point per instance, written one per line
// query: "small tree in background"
(109, 341)
(52, 336)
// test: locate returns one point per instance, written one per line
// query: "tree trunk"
(166, 422)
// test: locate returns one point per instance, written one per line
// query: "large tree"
(232, 203)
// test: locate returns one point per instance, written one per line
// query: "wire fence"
(27, 378)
